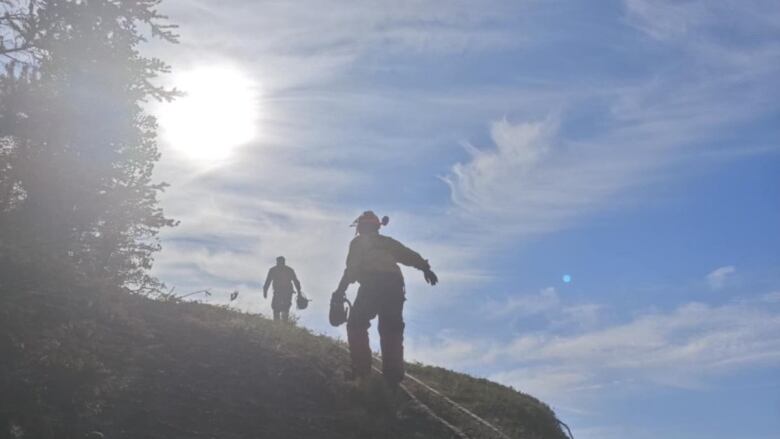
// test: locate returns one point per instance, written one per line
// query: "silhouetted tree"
(77, 149)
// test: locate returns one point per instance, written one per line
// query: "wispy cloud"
(698, 29)
(525, 305)
(688, 346)
(446, 349)
(298, 44)
(719, 277)
(666, 20)
(537, 177)
(531, 182)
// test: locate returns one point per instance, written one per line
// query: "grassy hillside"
(113, 365)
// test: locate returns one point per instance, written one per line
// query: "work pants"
(381, 296)
(281, 303)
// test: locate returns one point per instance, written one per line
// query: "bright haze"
(597, 185)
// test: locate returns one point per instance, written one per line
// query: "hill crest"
(115, 365)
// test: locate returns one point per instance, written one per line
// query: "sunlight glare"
(217, 114)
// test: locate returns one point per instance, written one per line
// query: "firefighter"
(283, 278)
(373, 262)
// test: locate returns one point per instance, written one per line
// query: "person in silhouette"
(283, 278)
(373, 262)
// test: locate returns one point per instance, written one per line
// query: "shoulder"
(389, 240)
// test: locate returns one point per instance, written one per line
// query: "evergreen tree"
(77, 149)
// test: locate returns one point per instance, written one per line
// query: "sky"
(597, 185)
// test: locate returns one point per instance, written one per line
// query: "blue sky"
(632, 145)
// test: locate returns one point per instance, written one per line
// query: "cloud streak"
(688, 346)
(539, 175)
(719, 277)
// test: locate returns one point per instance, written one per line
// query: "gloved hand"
(430, 277)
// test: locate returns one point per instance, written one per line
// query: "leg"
(357, 334)
(391, 334)
(286, 308)
(281, 303)
(275, 305)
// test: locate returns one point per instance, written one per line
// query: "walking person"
(283, 279)
(373, 262)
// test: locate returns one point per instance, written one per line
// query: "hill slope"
(114, 365)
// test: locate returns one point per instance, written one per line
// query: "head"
(280, 260)
(369, 223)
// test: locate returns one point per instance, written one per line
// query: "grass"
(514, 413)
(76, 364)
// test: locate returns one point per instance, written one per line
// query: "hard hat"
(369, 217)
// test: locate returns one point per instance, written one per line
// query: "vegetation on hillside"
(75, 364)
(514, 413)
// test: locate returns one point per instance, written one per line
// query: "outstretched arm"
(406, 256)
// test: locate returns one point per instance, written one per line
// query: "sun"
(217, 114)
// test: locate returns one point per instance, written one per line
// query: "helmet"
(339, 309)
(280, 260)
(301, 302)
(369, 219)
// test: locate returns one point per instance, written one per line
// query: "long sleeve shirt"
(378, 254)
(282, 278)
